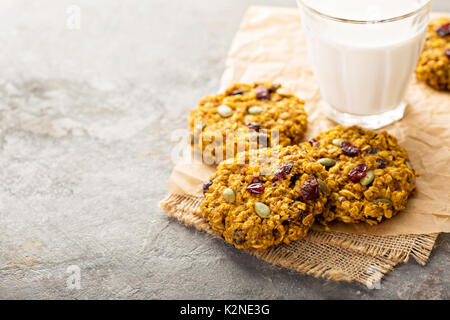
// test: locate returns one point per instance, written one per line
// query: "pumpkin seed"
(225, 111)
(368, 178)
(337, 142)
(262, 210)
(254, 110)
(229, 195)
(327, 162)
(322, 186)
(408, 164)
(383, 200)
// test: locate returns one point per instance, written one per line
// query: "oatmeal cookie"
(373, 174)
(434, 63)
(244, 117)
(265, 197)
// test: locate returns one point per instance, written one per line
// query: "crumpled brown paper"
(270, 46)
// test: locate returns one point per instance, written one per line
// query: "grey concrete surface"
(87, 123)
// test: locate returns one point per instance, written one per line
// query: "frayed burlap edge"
(397, 248)
(331, 255)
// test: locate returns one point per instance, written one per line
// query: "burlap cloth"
(270, 45)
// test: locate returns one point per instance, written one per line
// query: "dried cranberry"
(236, 92)
(313, 142)
(381, 163)
(443, 30)
(447, 53)
(262, 93)
(206, 186)
(372, 151)
(257, 188)
(358, 172)
(253, 126)
(349, 149)
(310, 189)
(284, 169)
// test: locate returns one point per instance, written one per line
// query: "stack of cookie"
(434, 62)
(246, 116)
(265, 194)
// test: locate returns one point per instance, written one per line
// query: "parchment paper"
(270, 46)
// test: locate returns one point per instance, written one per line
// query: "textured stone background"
(88, 122)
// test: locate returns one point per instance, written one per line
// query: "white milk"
(363, 69)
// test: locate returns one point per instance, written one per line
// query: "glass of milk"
(363, 54)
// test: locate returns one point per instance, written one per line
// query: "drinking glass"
(363, 55)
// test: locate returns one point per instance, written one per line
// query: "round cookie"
(373, 174)
(244, 117)
(265, 197)
(434, 62)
